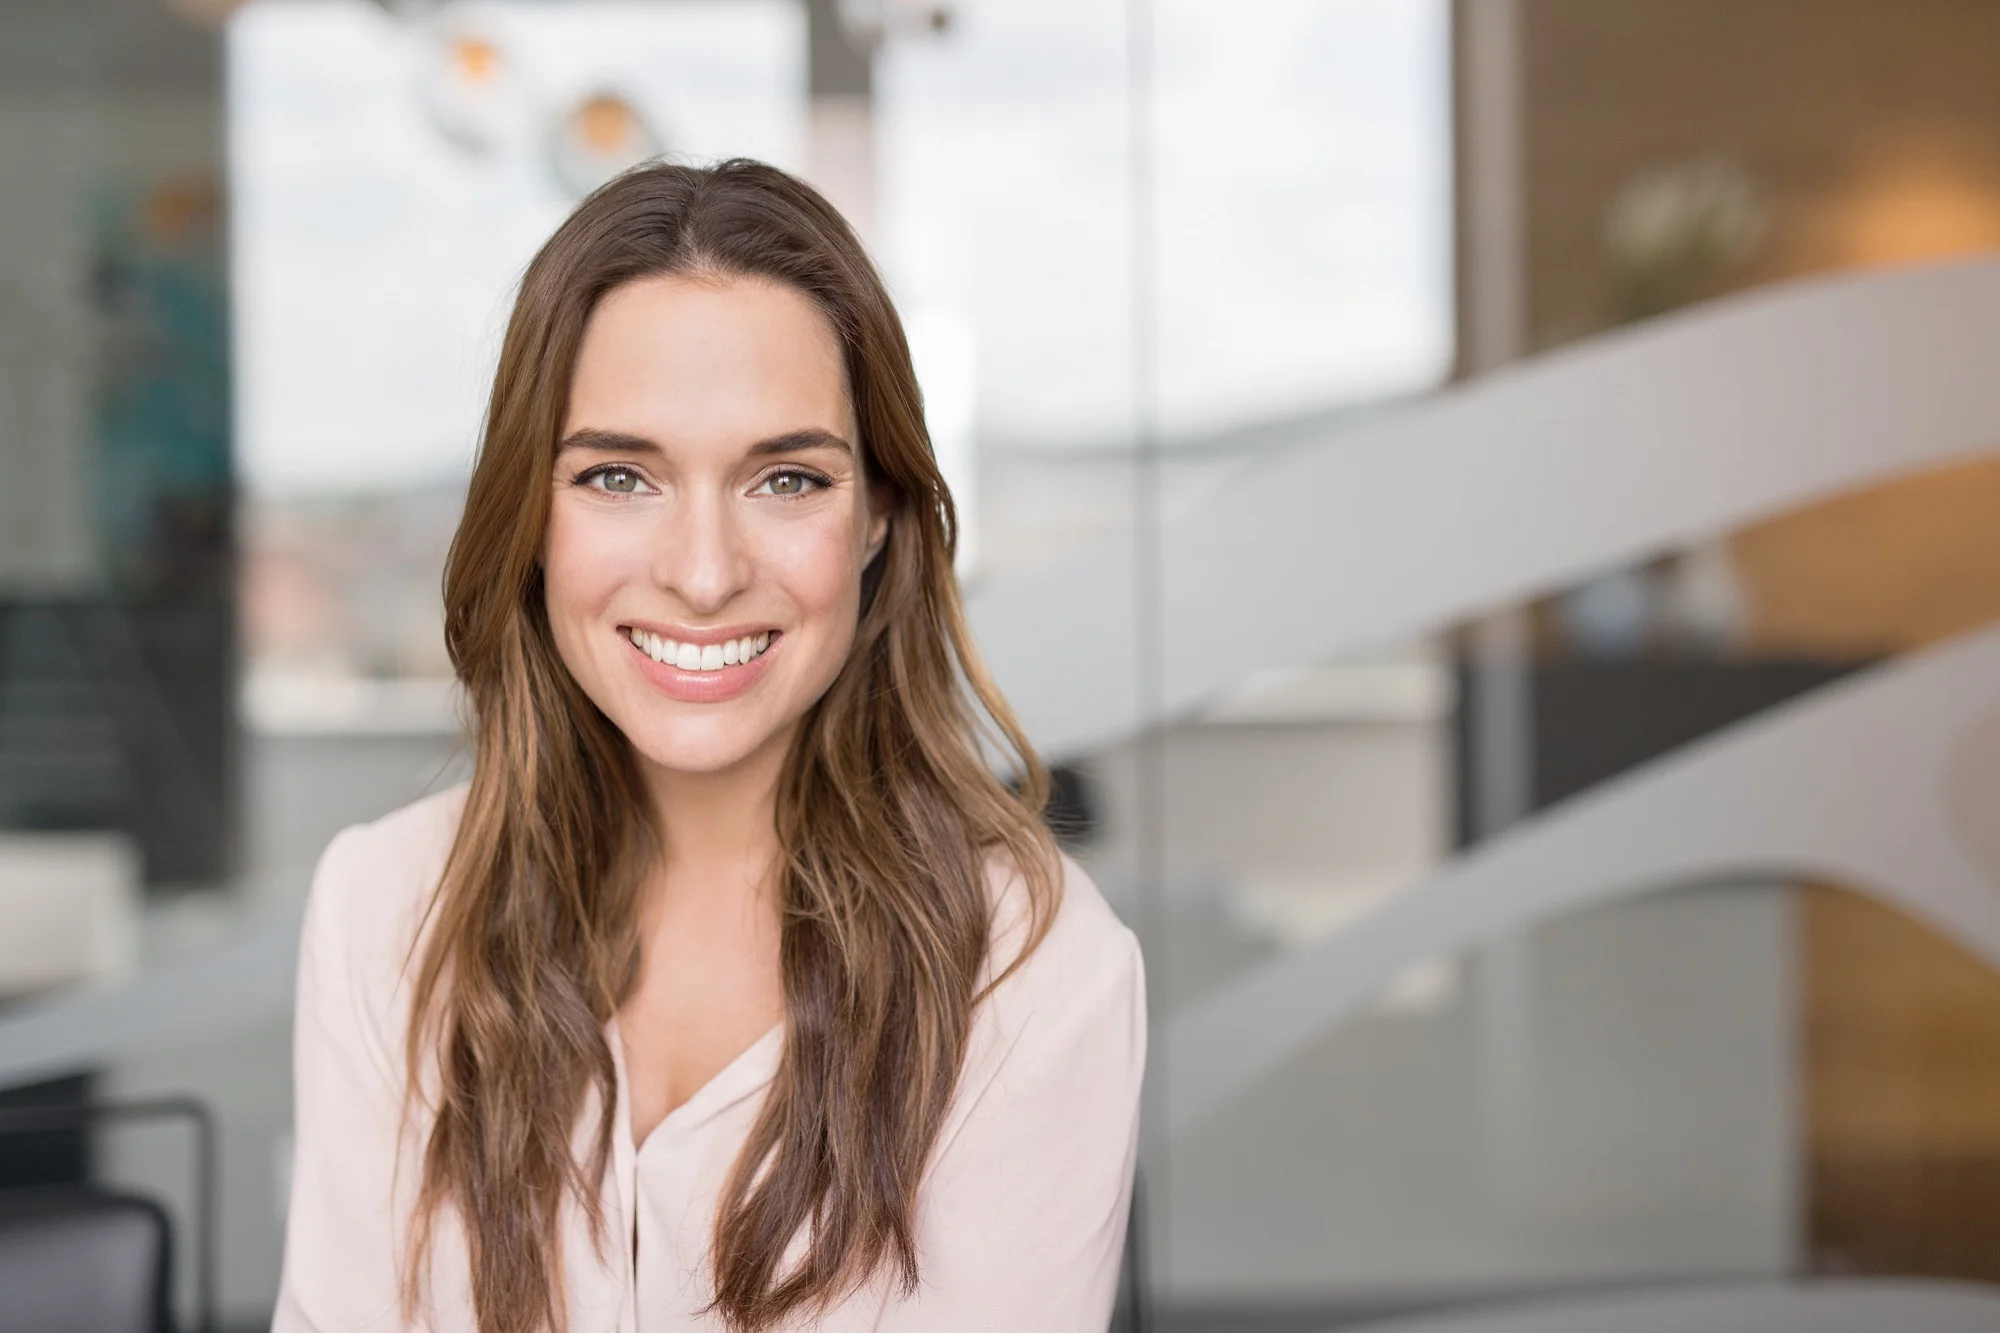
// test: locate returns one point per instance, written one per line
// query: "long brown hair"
(888, 810)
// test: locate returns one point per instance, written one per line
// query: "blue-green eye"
(616, 478)
(790, 483)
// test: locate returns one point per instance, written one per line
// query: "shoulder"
(1058, 1043)
(1086, 961)
(372, 887)
(382, 868)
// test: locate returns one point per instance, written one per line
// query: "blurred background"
(1513, 483)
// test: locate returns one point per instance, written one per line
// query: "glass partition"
(1523, 899)
(1604, 1099)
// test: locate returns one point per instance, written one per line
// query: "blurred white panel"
(1003, 195)
(381, 212)
(275, 703)
(941, 346)
(1304, 214)
(69, 909)
(1301, 207)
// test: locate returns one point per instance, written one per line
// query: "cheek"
(583, 564)
(817, 565)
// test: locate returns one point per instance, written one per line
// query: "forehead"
(708, 363)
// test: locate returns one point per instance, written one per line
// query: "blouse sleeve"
(1021, 1221)
(341, 1263)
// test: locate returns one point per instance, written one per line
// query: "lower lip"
(702, 687)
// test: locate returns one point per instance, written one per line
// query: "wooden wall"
(1873, 126)
(1873, 130)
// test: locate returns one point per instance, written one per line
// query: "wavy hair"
(888, 807)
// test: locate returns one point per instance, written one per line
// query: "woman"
(734, 991)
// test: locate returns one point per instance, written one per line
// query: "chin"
(706, 747)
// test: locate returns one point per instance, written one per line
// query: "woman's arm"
(1021, 1222)
(342, 1228)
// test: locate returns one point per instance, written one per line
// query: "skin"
(665, 512)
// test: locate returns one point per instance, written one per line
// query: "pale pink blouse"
(1020, 1220)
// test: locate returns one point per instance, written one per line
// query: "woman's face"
(709, 519)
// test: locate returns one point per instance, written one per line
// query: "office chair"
(77, 1259)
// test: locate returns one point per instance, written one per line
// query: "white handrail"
(1611, 450)
(1882, 781)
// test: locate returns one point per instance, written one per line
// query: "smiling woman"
(735, 990)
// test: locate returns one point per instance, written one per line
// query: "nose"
(701, 555)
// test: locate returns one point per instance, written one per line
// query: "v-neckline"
(750, 1069)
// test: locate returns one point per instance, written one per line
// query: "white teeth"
(699, 657)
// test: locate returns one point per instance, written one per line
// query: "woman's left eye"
(789, 484)
(613, 478)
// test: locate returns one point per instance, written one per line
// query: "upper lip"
(718, 634)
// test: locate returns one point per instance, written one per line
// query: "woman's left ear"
(880, 500)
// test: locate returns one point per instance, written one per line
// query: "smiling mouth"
(701, 657)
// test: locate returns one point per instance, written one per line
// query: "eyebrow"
(791, 442)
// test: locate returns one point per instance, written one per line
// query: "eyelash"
(819, 480)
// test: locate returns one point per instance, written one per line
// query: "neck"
(718, 829)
